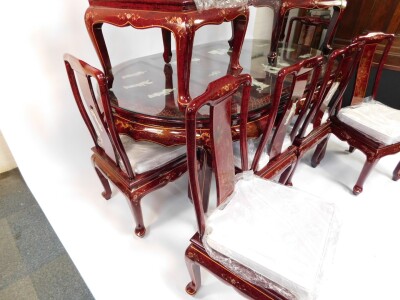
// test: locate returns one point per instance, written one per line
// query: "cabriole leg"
(194, 272)
(366, 170)
(166, 35)
(319, 152)
(140, 230)
(106, 185)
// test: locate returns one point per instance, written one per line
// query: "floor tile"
(60, 279)
(35, 238)
(22, 290)
(14, 194)
(11, 264)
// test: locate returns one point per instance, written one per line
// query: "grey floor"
(33, 262)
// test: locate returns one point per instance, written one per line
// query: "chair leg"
(287, 175)
(106, 185)
(319, 152)
(194, 271)
(366, 170)
(351, 149)
(396, 172)
(140, 230)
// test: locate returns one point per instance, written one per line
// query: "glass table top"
(147, 86)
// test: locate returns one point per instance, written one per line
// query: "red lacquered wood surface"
(373, 149)
(181, 18)
(109, 157)
(218, 97)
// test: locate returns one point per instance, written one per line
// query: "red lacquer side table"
(180, 17)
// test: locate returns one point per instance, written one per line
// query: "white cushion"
(280, 232)
(375, 119)
(145, 156)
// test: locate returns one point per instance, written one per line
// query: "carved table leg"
(104, 181)
(230, 41)
(96, 35)
(396, 172)
(166, 34)
(194, 271)
(366, 170)
(331, 31)
(277, 26)
(239, 26)
(184, 46)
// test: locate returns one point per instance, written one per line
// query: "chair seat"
(146, 156)
(277, 231)
(375, 119)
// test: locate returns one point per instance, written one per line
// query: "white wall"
(7, 161)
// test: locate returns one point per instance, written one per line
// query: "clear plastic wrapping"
(145, 156)
(252, 145)
(208, 4)
(283, 236)
(375, 119)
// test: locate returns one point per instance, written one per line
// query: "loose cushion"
(375, 119)
(280, 232)
(145, 156)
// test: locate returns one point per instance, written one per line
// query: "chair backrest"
(303, 76)
(309, 27)
(294, 89)
(95, 109)
(339, 68)
(376, 50)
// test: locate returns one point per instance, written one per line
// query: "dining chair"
(136, 168)
(281, 9)
(367, 124)
(316, 124)
(267, 240)
(274, 154)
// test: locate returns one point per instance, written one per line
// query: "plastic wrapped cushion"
(145, 156)
(208, 4)
(279, 232)
(375, 119)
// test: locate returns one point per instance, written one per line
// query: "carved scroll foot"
(106, 185)
(194, 271)
(366, 170)
(140, 230)
(357, 190)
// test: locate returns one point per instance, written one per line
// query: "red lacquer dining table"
(144, 91)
